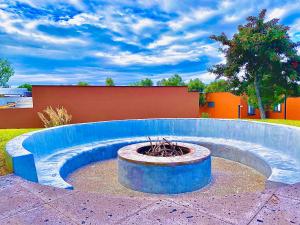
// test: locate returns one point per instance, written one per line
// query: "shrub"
(54, 117)
(204, 115)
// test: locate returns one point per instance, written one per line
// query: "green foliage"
(109, 82)
(144, 82)
(217, 86)
(260, 57)
(6, 72)
(28, 86)
(204, 115)
(269, 98)
(202, 99)
(82, 83)
(174, 80)
(196, 85)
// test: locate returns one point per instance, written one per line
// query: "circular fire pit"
(187, 172)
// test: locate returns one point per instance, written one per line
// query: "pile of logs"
(164, 148)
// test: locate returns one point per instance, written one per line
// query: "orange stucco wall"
(244, 110)
(91, 103)
(226, 105)
(276, 115)
(293, 108)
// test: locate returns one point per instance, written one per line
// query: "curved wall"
(268, 138)
(283, 138)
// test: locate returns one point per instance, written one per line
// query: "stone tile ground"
(24, 202)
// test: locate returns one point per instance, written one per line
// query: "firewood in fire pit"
(164, 148)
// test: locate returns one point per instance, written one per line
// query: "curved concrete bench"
(50, 155)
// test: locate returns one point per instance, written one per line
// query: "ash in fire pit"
(163, 148)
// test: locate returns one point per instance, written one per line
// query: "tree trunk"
(259, 101)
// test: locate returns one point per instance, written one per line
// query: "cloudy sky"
(66, 41)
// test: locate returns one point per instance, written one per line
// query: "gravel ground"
(228, 178)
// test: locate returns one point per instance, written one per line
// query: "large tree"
(6, 72)
(174, 80)
(260, 57)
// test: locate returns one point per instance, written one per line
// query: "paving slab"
(44, 214)
(237, 209)
(290, 191)
(16, 199)
(87, 208)
(279, 211)
(46, 193)
(9, 180)
(165, 213)
(24, 202)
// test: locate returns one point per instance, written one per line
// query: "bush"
(55, 117)
(204, 115)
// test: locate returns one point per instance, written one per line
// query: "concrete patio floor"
(23, 202)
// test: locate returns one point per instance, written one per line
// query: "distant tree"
(196, 85)
(217, 86)
(83, 83)
(28, 86)
(6, 72)
(144, 82)
(109, 82)
(174, 80)
(260, 57)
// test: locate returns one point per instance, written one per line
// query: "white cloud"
(277, 13)
(142, 24)
(22, 28)
(166, 40)
(37, 78)
(295, 30)
(179, 32)
(204, 76)
(127, 58)
(196, 16)
(283, 11)
(168, 56)
(80, 19)
(78, 4)
(48, 53)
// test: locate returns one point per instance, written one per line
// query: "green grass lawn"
(5, 136)
(295, 123)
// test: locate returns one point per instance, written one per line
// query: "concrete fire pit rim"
(197, 154)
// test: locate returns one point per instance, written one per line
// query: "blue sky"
(66, 41)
